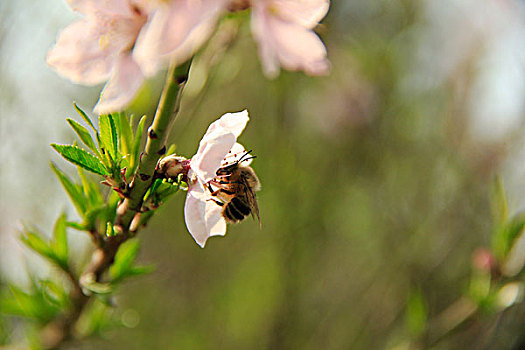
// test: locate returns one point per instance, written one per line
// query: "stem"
(57, 332)
(155, 145)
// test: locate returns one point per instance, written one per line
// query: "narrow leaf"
(171, 149)
(81, 158)
(108, 135)
(32, 304)
(84, 135)
(90, 189)
(85, 117)
(76, 226)
(507, 234)
(60, 240)
(35, 242)
(140, 270)
(124, 259)
(416, 313)
(126, 136)
(138, 138)
(499, 202)
(54, 293)
(75, 194)
(114, 134)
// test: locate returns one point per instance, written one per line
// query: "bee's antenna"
(243, 158)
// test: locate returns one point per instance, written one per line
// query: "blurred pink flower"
(98, 48)
(176, 30)
(217, 148)
(284, 32)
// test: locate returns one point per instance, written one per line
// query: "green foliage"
(126, 136)
(37, 303)
(84, 135)
(81, 158)
(108, 136)
(97, 318)
(74, 191)
(85, 117)
(56, 250)
(416, 313)
(55, 294)
(117, 148)
(505, 235)
(137, 142)
(161, 190)
(123, 265)
(499, 202)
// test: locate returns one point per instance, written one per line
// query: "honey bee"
(236, 185)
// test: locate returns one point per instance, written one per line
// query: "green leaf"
(85, 117)
(60, 246)
(416, 313)
(126, 136)
(54, 293)
(84, 135)
(76, 226)
(98, 287)
(137, 141)
(124, 259)
(108, 135)
(140, 270)
(97, 318)
(499, 202)
(171, 149)
(81, 158)
(91, 190)
(504, 237)
(35, 242)
(33, 304)
(73, 190)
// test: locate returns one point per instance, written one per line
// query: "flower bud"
(173, 165)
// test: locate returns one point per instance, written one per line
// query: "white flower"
(176, 30)
(217, 148)
(98, 47)
(284, 32)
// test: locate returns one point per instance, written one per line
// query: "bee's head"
(228, 168)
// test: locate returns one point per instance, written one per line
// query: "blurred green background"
(376, 180)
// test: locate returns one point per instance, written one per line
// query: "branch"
(155, 146)
(56, 333)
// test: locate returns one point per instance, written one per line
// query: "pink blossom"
(217, 148)
(176, 31)
(97, 48)
(284, 32)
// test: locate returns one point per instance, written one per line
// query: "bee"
(236, 185)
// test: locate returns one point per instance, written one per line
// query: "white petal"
(292, 45)
(234, 155)
(307, 13)
(122, 87)
(78, 56)
(176, 30)
(216, 143)
(110, 7)
(229, 122)
(203, 217)
(212, 151)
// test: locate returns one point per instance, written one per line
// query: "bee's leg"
(222, 190)
(218, 202)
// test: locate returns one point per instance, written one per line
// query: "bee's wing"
(251, 200)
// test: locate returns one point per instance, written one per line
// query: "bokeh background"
(376, 179)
